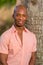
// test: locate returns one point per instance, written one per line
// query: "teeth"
(20, 22)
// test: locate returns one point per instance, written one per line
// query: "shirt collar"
(14, 29)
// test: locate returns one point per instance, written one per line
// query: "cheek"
(25, 18)
(17, 17)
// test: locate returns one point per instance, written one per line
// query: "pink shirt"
(10, 44)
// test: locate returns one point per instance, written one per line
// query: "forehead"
(20, 9)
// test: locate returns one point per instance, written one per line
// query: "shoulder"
(30, 34)
(6, 34)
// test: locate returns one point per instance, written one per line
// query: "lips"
(20, 22)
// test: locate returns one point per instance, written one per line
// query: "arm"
(34, 50)
(33, 58)
(3, 59)
(4, 41)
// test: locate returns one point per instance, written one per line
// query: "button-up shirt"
(10, 44)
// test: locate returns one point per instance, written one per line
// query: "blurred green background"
(7, 2)
(8, 22)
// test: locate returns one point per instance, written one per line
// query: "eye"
(17, 15)
(24, 15)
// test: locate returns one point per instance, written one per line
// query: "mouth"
(20, 21)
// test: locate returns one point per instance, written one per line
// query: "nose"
(21, 17)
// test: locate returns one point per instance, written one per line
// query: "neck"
(19, 28)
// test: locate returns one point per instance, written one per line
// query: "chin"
(20, 25)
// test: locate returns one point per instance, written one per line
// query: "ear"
(13, 15)
(27, 17)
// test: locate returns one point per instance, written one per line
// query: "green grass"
(6, 26)
(7, 2)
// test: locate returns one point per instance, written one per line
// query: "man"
(18, 44)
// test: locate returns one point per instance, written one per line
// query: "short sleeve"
(34, 47)
(4, 43)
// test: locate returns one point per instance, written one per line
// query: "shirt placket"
(22, 47)
(18, 40)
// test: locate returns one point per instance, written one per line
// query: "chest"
(15, 43)
(20, 36)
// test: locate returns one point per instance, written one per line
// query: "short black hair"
(16, 7)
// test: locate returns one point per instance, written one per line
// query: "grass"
(7, 2)
(6, 26)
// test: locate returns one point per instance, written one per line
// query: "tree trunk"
(35, 24)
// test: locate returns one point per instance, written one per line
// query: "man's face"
(20, 17)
